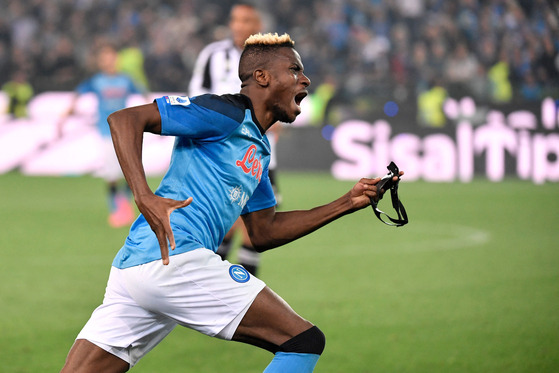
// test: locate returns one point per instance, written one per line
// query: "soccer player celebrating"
(219, 170)
(217, 71)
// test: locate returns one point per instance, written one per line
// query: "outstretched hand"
(157, 211)
(366, 190)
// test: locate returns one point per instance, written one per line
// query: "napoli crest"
(239, 274)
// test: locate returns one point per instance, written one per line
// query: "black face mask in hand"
(387, 183)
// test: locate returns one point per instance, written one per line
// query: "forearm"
(127, 129)
(288, 226)
(268, 228)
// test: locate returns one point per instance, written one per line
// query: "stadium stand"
(372, 48)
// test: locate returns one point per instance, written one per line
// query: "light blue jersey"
(220, 158)
(111, 91)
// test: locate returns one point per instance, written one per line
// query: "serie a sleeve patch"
(178, 100)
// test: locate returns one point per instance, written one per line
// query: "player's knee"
(311, 341)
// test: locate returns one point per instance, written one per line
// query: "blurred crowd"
(493, 50)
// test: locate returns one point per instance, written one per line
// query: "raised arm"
(127, 130)
(268, 228)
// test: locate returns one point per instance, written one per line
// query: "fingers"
(168, 238)
(164, 248)
(366, 181)
(181, 204)
(372, 193)
(168, 231)
(367, 187)
(164, 235)
(396, 178)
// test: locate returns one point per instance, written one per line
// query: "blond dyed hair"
(272, 39)
(259, 51)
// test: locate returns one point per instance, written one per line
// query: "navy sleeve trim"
(222, 104)
(232, 106)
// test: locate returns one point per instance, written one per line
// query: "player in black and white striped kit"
(217, 71)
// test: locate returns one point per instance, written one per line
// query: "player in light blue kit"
(111, 89)
(219, 170)
(204, 152)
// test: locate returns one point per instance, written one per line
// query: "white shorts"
(143, 304)
(110, 169)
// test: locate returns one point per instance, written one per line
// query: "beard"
(281, 114)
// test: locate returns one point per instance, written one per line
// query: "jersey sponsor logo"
(178, 100)
(239, 274)
(113, 92)
(250, 164)
(236, 195)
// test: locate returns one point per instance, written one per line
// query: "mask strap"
(397, 205)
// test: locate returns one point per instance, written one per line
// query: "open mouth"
(299, 97)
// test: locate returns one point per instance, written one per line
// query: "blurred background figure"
(131, 61)
(112, 89)
(217, 66)
(430, 105)
(19, 92)
(217, 71)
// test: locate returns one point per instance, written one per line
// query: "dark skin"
(275, 93)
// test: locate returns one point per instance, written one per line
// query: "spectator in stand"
(167, 67)
(59, 65)
(460, 70)
(430, 105)
(546, 65)
(437, 59)
(420, 72)
(19, 93)
(500, 88)
(36, 30)
(131, 61)
(531, 89)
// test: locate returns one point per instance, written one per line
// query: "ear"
(261, 77)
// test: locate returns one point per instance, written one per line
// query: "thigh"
(84, 356)
(270, 321)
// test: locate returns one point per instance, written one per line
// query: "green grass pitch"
(470, 285)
